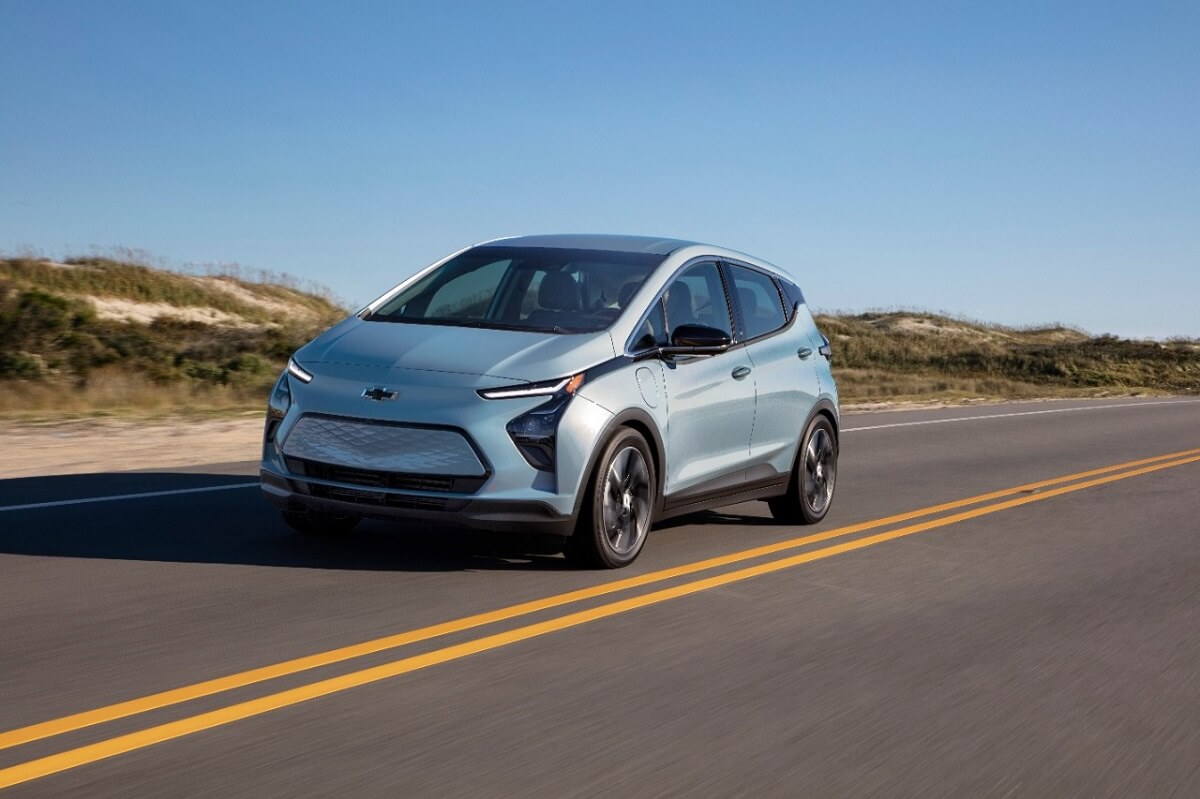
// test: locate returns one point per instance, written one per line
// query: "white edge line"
(1019, 413)
(118, 497)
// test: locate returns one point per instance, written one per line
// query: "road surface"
(1004, 601)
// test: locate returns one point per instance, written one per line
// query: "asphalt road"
(1043, 640)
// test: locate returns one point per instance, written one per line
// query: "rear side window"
(758, 298)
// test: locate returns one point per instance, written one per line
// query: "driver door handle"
(804, 353)
(741, 373)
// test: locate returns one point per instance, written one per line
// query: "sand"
(113, 445)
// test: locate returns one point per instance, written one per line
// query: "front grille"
(377, 498)
(400, 481)
(382, 447)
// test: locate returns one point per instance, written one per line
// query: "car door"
(710, 397)
(784, 361)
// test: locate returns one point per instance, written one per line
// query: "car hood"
(504, 354)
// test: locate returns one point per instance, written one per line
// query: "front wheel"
(616, 514)
(810, 492)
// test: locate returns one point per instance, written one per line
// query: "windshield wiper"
(472, 323)
(490, 325)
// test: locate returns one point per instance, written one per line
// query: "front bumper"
(290, 492)
(437, 454)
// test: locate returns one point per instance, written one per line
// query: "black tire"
(325, 524)
(810, 490)
(618, 508)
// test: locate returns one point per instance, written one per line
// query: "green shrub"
(19, 366)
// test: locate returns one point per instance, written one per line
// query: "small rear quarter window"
(792, 295)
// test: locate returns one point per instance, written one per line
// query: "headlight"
(280, 399)
(535, 431)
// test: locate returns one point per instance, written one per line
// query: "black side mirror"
(697, 340)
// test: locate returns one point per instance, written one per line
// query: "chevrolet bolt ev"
(576, 386)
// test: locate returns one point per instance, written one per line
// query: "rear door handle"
(804, 353)
(741, 373)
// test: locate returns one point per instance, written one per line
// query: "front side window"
(758, 299)
(540, 289)
(653, 332)
(697, 297)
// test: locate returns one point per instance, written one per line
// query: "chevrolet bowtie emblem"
(380, 393)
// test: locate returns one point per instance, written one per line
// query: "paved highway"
(1004, 601)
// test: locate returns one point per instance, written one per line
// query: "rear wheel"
(616, 513)
(313, 523)
(810, 492)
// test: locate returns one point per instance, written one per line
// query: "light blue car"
(580, 387)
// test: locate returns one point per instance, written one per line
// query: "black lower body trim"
(698, 501)
(506, 516)
(403, 481)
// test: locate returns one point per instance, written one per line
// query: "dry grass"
(112, 391)
(93, 277)
(94, 335)
(859, 386)
(906, 355)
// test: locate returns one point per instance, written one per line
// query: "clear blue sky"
(1020, 162)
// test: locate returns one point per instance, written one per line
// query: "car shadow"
(222, 518)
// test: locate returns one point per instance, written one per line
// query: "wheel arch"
(826, 408)
(644, 424)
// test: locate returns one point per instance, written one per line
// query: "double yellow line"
(90, 753)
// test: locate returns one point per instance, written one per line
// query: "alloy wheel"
(820, 470)
(626, 504)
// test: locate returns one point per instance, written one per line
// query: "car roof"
(595, 241)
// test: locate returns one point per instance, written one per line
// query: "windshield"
(524, 288)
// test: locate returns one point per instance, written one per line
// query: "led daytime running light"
(550, 387)
(298, 372)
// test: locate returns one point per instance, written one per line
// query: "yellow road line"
(140, 739)
(174, 696)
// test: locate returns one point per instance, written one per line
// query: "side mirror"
(697, 340)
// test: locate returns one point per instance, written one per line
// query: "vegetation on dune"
(909, 355)
(58, 351)
(106, 277)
